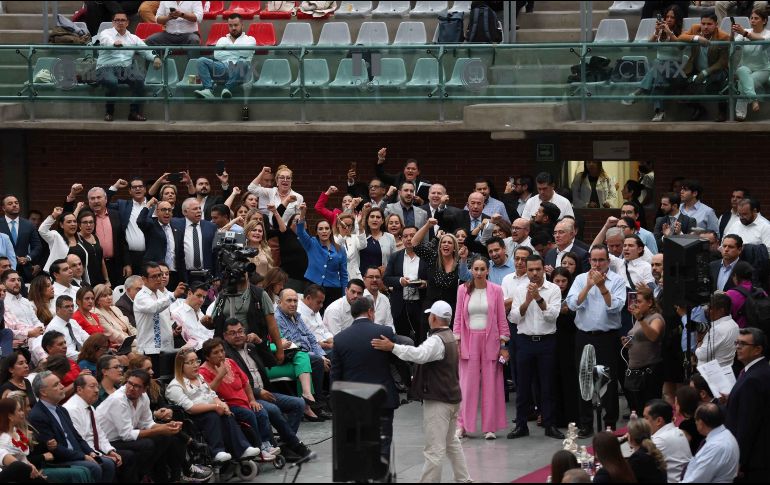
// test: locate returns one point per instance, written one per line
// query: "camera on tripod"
(233, 259)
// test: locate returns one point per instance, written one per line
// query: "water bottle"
(245, 113)
(609, 430)
(633, 416)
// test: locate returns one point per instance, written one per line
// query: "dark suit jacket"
(123, 207)
(360, 189)
(127, 307)
(213, 200)
(449, 213)
(155, 240)
(119, 243)
(395, 180)
(208, 231)
(747, 417)
(714, 268)
(582, 254)
(233, 355)
(392, 279)
(28, 242)
(356, 361)
(687, 223)
(48, 428)
(452, 219)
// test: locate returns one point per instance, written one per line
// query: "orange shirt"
(104, 233)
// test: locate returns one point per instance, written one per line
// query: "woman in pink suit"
(481, 329)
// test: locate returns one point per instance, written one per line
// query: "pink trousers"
(481, 377)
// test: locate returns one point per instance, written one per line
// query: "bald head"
(164, 211)
(288, 301)
(520, 230)
(476, 204)
(76, 265)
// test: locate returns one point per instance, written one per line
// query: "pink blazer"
(497, 324)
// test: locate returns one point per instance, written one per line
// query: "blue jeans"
(110, 77)
(293, 407)
(258, 420)
(222, 433)
(211, 70)
(103, 471)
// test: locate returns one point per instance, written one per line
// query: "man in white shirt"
(81, 410)
(546, 193)
(187, 315)
(232, 66)
(634, 269)
(19, 312)
(751, 226)
(62, 282)
(115, 66)
(382, 314)
(154, 333)
(517, 279)
(669, 439)
(719, 342)
(63, 323)
(129, 211)
(310, 309)
(717, 461)
(534, 311)
(337, 316)
(181, 20)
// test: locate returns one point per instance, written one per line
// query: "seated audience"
(717, 460)
(93, 349)
(669, 439)
(87, 320)
(115, 324)
(647, 462)
(15, 440)
(229, 65)
(615, 468)
(182, 24)
(14, 370)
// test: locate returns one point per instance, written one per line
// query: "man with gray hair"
(437, 383)
(750, 226)
(53, 422)
(565, 233)
(197, 238)
(125, 303)
(109, 230)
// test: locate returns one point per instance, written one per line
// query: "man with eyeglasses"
(154, 333)
(376, 193)
(747, 406)
(76, 266)
(129, 212)
(382, 313)
(598, 297)
(162, 238)
(411, 173)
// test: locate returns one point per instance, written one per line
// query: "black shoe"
(697, 113)
(519, 432)
(300, 450)
(585, 432)
(554, 433)
(311, 419)
(198, 446)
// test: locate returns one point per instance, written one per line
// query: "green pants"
(299, 365)
(70, 474)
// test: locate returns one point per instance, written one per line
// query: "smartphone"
(631, 300)
(732, 20)
(171, 9)
(220, 167)
(660, 18)
(353, 165)
(174, 178)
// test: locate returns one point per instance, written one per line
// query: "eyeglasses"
(284, 177)
(167, 209)
(88, 223)
(514, 228)
(346, 226)
(560, 232)
(193, 362)
(135, 386)
(373, 277)
(235, 333)
(741, 343)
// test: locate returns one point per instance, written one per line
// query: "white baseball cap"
(441, 309)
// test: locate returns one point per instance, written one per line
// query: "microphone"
(305, 459)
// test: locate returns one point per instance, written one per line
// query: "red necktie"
(93, 427)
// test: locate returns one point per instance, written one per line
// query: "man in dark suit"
(128, 210)
(673, 222)
(747, 417)
(405, 301)
(203, 193)
(437, 202)
(411, 173)
(722, 270)
(355, 360)
(162, 239)
(132, 286)
(53, 422)
(197, 238)
(565, 232)
(468, 220)
(24, 237)
(731, 215)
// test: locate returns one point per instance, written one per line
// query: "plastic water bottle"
(609, 430)
(633, 416)
(207, 7)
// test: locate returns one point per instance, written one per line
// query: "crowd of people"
(116, 307)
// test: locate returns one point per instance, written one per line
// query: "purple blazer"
(497, 323)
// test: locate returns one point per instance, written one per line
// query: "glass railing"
(356, 83)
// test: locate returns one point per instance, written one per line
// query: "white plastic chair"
(391, 9)
(411, 33)
(373, 33)
(726, 25)
(297, 34)
(464, 7)
(611, 30)
(689, 22)
(104, 26)
(117, 292)
(353, 9)
(645, 30)
(335, 33)
(429, 9)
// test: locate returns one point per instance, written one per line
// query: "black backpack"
(484, 28)
(756, 309)
(450, 28)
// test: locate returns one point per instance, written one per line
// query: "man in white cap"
(436, 382)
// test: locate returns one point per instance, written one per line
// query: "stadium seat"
(391, 9)
(247, 10)
(214, 11)
(460, 77)
(316, 74)
(624, 8)
(154, 77)
(117, 293)
(725, 26)
(411, 33)
(146, 29)
(464, 7)
(429, 9)
(345, 77)
(334, 33)
(610, 31)
(276, 73)
(191, 69)
(354, 9)
(297, 34)
(645, 30)
(104, 26)
(425, 73)
(263, 32)
(270, 15)
(392, 73)
(689, 22)
(373, 33)
(216, 32)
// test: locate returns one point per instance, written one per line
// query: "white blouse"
(477, 309)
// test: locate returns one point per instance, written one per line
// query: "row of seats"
(277, 73)
(616, 30)
(635, 8)
(250, 10)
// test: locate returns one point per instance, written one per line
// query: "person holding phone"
(644, 377)
(181, 21)
(754, 69)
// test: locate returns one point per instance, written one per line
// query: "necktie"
(72, 336)
(474, 224)
(14, 234)
(741, 374)
(93, 427)
(75, 283)
(169, 245)
(156, 329)
(628, 277)
(70, 443)
(196, 247)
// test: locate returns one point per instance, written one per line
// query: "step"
(600, 6)
(524, 36)
(67, 8)
(17, 37)
(556, 20)
(16, 74)
(24, 21)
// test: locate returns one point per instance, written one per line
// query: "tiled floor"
(501, 460)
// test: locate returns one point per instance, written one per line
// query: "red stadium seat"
(217, 31)
(215, 10)
(263, 32)
(266, 14)
(145, 29)
(247, 10)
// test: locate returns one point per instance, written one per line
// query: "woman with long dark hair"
(17, 445)
(89, 250)
(59, 241)
(14, 370)
(380, 244)
(567, 390)
(615, 468)
(87, 320)
(41, 295)
(93, 349)
(561, 461)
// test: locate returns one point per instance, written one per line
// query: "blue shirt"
(648, 239)
(703, 215)
(497, 273)
(493, 206)
(6, 249)
(724, 274)
(593, 314)
(716, 461)
(696, 315)
(408, 215)
(296, 331)
(325, 266)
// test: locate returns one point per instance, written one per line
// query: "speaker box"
(686, 275)
(356, 426)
